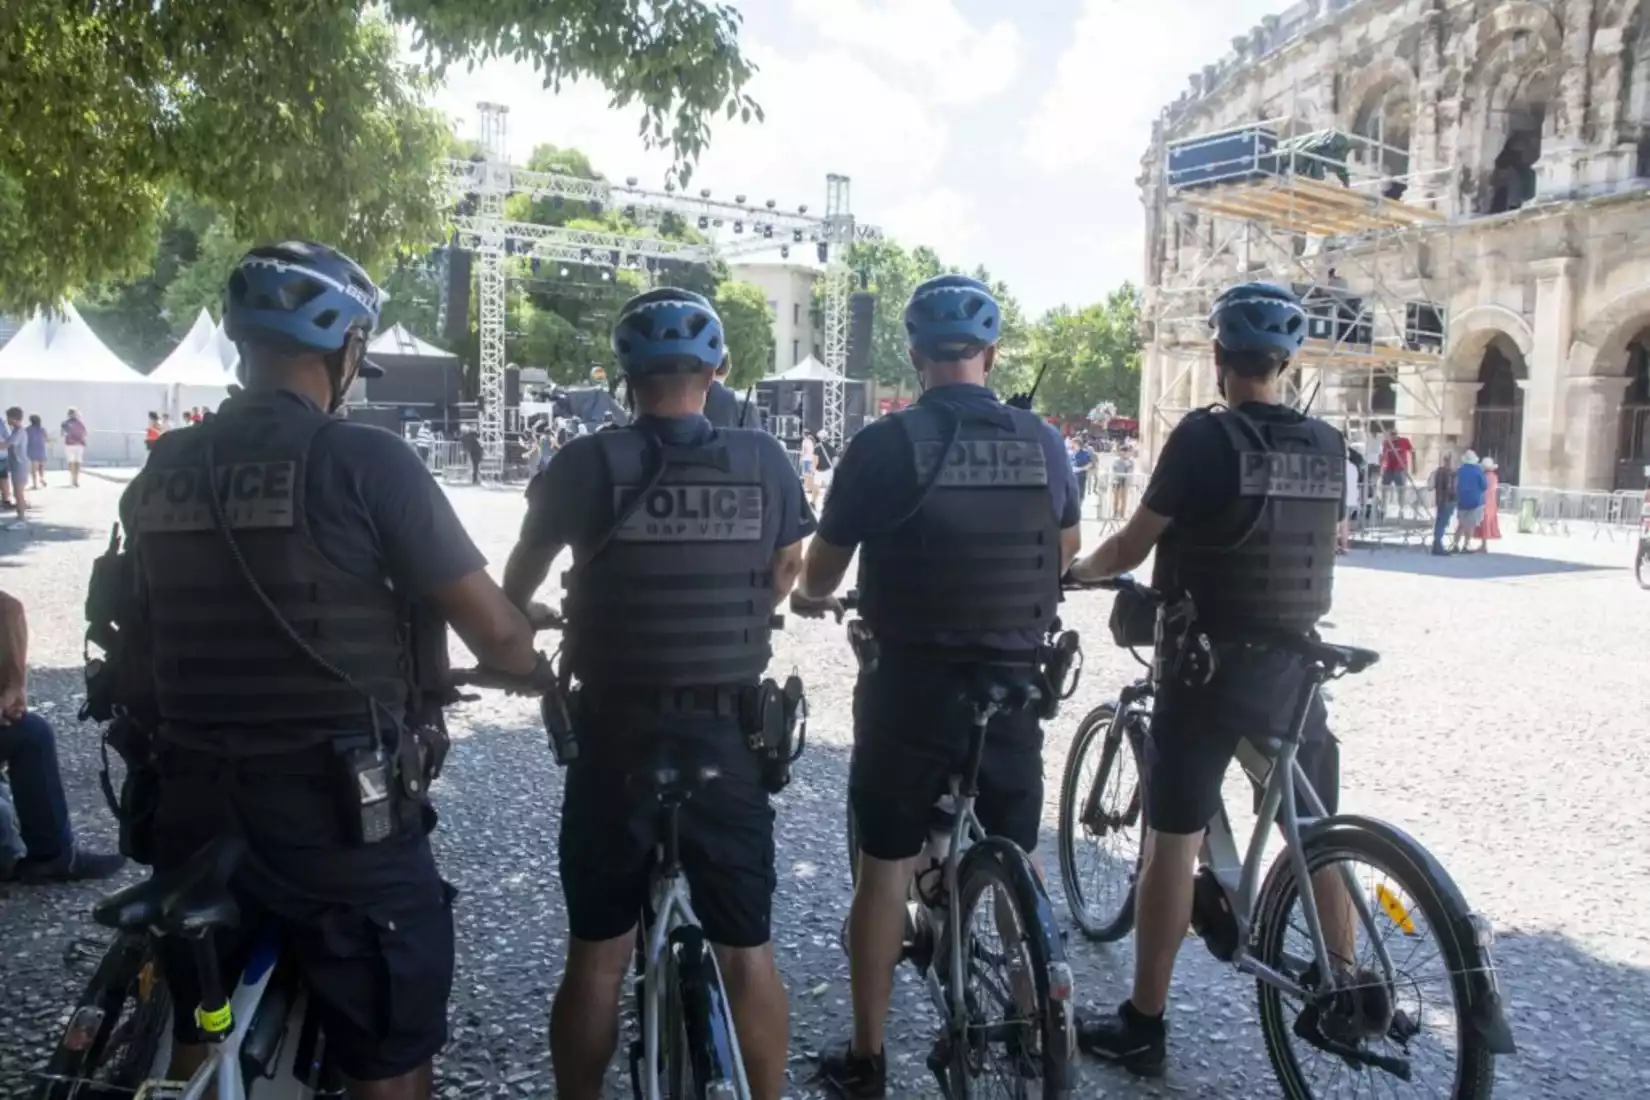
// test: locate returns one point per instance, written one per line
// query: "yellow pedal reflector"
(215, 1022)
(1394, 909)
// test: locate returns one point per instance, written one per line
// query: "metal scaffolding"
(480, 188)
(1367, 248)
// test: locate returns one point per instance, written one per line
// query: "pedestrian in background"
(1491, 527)
(74, 445)
(1470, 484)
(1082, 462)
(1443, 496)
(152, 432)
(37, 438)
(17, 463)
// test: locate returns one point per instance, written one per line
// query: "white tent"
(193, 374)
(809, 370)
(228, 355)
(56, 362)
(397, 342)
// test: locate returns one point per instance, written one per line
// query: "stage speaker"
(458, 297)
(512, 387)
(862, 306)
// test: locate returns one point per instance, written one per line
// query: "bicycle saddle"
(673, 785)
(1334, 658)
(184, 901)
(1007, 687)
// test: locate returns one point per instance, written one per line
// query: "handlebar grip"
(551, 620)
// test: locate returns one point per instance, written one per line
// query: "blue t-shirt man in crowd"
(1471, 484)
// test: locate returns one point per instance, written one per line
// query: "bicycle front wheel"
(1100, 825)
(1431, 1021)
(1019, 1034)
(707, 1065)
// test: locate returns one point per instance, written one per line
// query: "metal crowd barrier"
(1537, 510)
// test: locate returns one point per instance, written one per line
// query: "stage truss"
(482, 187)
(1263, 216)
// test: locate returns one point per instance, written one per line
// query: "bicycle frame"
(223, 1063)
(669, 900)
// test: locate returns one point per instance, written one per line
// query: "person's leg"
(17, 492)
(584, 1018)
(28, 747)
(604, 850)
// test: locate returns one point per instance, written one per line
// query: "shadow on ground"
(14, 543)
(1473, 567)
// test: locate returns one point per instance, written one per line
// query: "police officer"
(1243, 509)
(288, 626)
(684, 540)
(965, 513)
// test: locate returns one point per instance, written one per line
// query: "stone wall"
(1563, 281)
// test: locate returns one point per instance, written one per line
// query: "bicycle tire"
(1095, 729)
(1336, 839)
(712, 1057)
(124, 1045)
(1000, 865)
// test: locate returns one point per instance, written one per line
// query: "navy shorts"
(1195, 734)
(610, 825)
(370, 927)
(912, 722)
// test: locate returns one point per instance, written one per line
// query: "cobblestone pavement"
(1504, 727)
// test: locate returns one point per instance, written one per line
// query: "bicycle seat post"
(212, 1015)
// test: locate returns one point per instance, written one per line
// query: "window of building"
(796, 352)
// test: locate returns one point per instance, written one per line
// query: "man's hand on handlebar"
(542, 616)
(816, 609)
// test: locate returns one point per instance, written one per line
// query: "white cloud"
(928, 41)
(1126, 61)
(942, 218)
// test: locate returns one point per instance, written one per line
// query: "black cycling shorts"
(370, 927)
(1195, 733)
(911, 725)
(609, 827)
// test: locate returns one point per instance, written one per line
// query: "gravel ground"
(1461, 736)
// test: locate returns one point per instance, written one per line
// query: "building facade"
(789, 289)
(1492, 162)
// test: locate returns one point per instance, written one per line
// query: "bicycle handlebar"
(1123, 582)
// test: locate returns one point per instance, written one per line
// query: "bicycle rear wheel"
(115, 1035)
(1100, 850)
(707, 1066)
(1020, 1029)
(1374, 1021)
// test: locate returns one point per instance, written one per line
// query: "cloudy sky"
(1002, 132)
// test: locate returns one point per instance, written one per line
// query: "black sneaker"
(76, 865)
(1137, 1043)
(851, 1076)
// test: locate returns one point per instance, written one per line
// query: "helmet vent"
(326, 319)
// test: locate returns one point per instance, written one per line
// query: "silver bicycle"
(1369, 1016)
(995, 969)
(118, 1040)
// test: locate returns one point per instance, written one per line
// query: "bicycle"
(1246, 927)
(688, 1048)
(1036, 1039)
(118, 1040)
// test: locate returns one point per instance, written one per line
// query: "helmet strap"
(341, 372)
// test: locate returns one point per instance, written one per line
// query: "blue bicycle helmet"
(668, 330)
(1259, 317)
(952, 317)
(301, 296)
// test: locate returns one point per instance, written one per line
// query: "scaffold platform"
(1327, 355)
(1305, 204)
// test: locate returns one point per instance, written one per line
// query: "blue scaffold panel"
(1235, 156)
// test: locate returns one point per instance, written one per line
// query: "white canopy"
(398, 341)
(228, 354)
(193, 374)
(809, 370)
(56, 362)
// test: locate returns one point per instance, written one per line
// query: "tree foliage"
(293, 116)
(748, 324)
(1093, 355)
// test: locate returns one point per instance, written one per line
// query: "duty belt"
(720, 701)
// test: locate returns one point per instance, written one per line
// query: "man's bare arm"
(787, 566)
(525, 571)
(492, 627)
(1124, 550)
(14, 657)
(1071, 541)
(825, 567)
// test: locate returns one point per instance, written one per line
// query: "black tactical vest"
(1268, 562)
(980, 554)
(680, 592)
(219, 656)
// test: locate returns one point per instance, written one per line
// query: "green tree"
(1092, 353)
(748, 323)
(294, 115)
